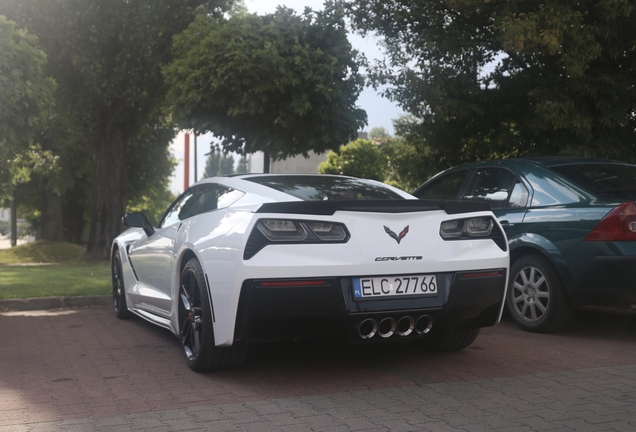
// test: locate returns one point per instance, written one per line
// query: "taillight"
(465, 228)
(292, 231)
(483, 227)
(618, 225)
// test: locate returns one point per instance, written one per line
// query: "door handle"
(505, 223)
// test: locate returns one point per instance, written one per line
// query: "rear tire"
(536, 299)
(450, 338)
(119, 290)
(196, 328)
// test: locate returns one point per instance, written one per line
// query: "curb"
(43, 303)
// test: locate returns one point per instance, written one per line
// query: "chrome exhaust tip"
(405, 326)
(386, 328)
(367, 328)
(423, 324)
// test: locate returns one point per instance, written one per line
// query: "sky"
(380, 111)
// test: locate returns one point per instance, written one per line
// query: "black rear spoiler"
(372, 206)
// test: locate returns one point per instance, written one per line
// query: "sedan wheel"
(119, 294)
(536, 299)
(196, 329)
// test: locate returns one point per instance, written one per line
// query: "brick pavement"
(82, 369)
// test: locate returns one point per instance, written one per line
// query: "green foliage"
(34, 161)
(218, 163)
(41, 251)
(106, 58)
(500, 78)
(26, 97)
(154, 204)
(393, 160)
(281, 83)
(149, 159)
(360, 158)
(406, 168)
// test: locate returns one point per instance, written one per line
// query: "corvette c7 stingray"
(259, 257)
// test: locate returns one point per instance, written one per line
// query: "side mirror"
(138, 220)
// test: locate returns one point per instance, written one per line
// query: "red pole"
(186, 163)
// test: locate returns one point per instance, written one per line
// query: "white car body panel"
(355, 258)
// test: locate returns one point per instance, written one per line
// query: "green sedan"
(571, 226)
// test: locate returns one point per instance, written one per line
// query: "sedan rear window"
(444, 187)
(609, 181)
(321, 188)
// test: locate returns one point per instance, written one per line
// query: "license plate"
(395, 286)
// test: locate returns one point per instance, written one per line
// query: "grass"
(41, 251)
(54, 269)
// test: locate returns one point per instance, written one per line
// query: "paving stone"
(129, 375)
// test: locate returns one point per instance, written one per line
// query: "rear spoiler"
(328, 208)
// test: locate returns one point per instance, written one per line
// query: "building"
(292, 165)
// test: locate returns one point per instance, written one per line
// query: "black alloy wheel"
(119, 295)
(196, 330)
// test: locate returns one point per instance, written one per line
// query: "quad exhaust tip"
(367, 328)
(405, 326)
(387, 326)
(423, 324)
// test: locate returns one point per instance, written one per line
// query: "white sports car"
(259, 257)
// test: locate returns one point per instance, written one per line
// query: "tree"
(107, 59)
(360, 158)
(242, 165)
(218, 163)
(280, 83)
(212, 163)
(26, 95)
(501, 78)
(26, 98)
(405, 158)
(154, 204)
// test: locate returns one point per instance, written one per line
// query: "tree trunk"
(73, 212)
(107, 194)
(14, 220)
(51, 213)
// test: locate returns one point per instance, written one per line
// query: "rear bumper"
(603, 273)
(326, 309)
(609, 281)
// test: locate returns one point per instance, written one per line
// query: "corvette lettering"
(401, 258)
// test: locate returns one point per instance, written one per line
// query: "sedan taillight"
(618, 225)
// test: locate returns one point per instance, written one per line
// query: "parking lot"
(82, 369)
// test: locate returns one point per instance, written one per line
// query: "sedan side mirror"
(138, 220)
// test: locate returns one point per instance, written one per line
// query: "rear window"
(321, 188)
(609, 181)
(444, 187)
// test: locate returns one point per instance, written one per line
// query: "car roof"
(242, 182)
(537, 161)
(550, 161)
